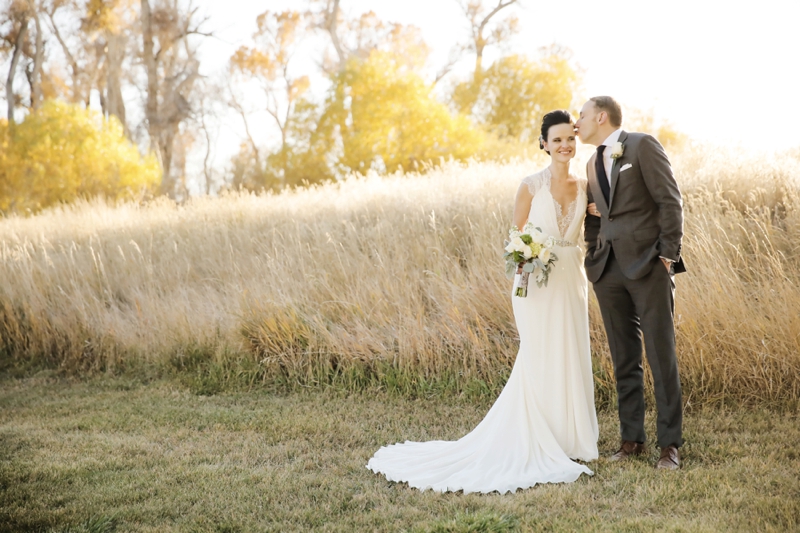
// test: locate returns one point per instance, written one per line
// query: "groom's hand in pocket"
(592, 210)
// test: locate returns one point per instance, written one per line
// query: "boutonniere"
(617, 150)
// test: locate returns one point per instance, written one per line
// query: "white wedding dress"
(545, 415)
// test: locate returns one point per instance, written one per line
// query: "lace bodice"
(540, 182)
(565, 219)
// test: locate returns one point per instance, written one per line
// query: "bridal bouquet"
(532, 248)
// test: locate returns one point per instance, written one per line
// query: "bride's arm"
(522, 208)
(522, 205)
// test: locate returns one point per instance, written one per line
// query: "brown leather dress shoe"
(670, 459)
(627, 449)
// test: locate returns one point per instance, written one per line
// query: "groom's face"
(588, 123)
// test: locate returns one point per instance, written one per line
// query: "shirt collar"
(614, 137)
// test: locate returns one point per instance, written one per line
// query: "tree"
(509, 98)
(645, 121)
(171, 70)
(327, 17)
(516, 92)
(15, 16)
(70, 48)
(388, 118)
(268, 63)
(304, 160)
(379, 113)
(16, 32)
(22, 33)
(486, 29)
(308, 138)
(101, 53)
(207, 111)
(91, 35)
(35, 73)
(62, 152)
(55, 13)
(360, 36)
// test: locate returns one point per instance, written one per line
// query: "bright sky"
(725, 71)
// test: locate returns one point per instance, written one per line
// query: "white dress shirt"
(609, 143)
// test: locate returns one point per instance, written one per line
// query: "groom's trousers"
(631, 308)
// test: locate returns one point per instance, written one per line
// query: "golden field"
(395, 282)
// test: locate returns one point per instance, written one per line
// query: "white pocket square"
(625, 167)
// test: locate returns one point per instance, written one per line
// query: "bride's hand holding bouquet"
(532, 251)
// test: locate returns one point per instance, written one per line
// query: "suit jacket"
(643, 219)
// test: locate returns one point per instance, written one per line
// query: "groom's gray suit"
(641, 222)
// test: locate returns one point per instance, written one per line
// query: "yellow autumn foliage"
(515, 92)
(62, 152)
(389, 118)
(645, 120)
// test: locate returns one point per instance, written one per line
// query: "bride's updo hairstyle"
(552, 119)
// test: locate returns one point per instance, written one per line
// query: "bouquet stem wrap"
(521, 284)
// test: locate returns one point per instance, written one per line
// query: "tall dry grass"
(396, 281)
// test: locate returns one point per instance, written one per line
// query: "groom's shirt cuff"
(667, 258)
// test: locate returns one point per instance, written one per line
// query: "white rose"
(510, 248)
(539, 237)
(518, 244)
(527, 253)
(544, 255)
(617, 150)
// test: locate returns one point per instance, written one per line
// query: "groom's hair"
(610, 106)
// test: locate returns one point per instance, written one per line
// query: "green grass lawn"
(118, 455)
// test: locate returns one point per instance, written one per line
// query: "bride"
(545, 417)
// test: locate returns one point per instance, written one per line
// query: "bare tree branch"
(455, 56)
(234, 103)
(77, 93)
(35, 79)
(171, 75)
(331, 25)
(10, 98)
(478, 22)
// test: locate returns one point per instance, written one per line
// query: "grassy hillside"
(394, 282)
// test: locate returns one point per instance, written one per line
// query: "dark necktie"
(600, 169)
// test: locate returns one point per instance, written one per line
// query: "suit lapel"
(615, 165)
(597, 192)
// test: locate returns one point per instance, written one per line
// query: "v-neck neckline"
(550, 191)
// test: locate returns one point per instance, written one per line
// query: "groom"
(633, 252)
